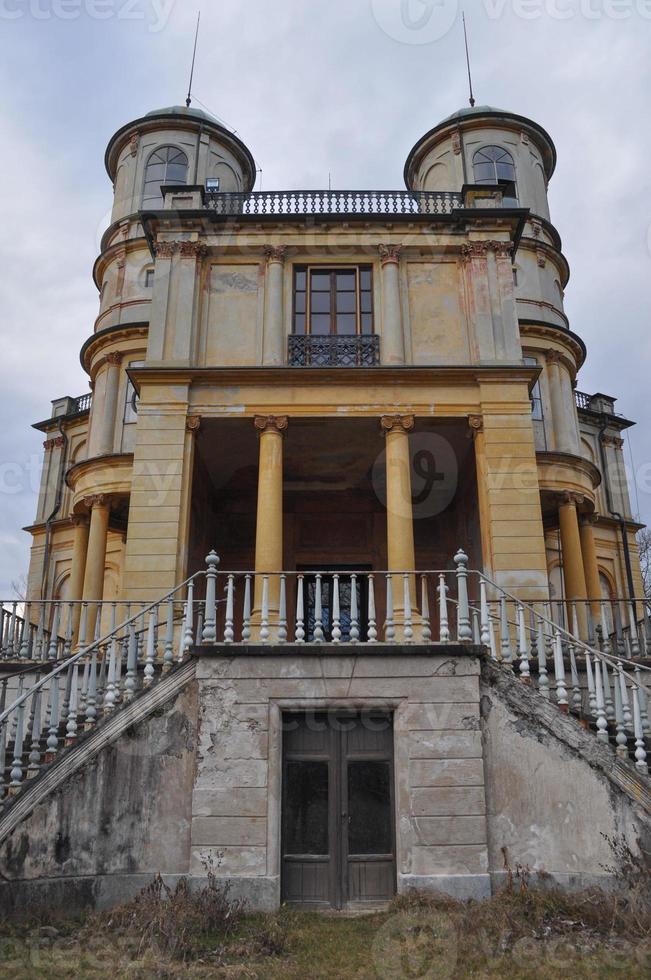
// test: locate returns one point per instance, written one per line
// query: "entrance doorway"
(338, 827)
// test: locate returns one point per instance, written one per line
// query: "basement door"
(338, 828)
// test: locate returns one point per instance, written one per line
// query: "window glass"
(536, 396)
(333, 301)
(369, 807)
(494, 165)
(149, 278)
(166, 165)
(306, 808)
(131, 400)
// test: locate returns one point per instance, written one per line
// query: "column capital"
(479, 250)
(390, 254)
(397, 423)
(193, 423)
(271, 423)
(96, 500)
(570, 497)
(476, 423)
(79, 520)
(275, 253)
(553, 356)
(589, 520)
(114, 358)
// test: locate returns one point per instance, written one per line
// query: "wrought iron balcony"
(330, 203)
(332, 351)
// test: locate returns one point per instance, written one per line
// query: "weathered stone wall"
(441, 831)
(553, 803)
(114, 824)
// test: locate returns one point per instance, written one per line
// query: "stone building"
(365, 403)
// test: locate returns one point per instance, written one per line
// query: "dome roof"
(477, 110)
(181, 110)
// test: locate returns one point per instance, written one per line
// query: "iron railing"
(332, 351)
(360, 203)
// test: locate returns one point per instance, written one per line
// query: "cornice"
(96, 463)
(549, 331)
(551, 253)
(292, 377)
(577, 462)
(117, 249)
(117, 332)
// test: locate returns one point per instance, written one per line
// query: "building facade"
(324, 387)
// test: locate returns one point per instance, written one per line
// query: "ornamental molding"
(554, 356)
(271, 423)
(165, 250)
(133, 143)
(613, 441)
(275, 253)
(193, 423)
(79, 520)
(541, 258)
(476, 250)
(57, 443)
(114, 358)
(390, 254)
(397, 423)
(476, 423)
(456, 143)
(570, 497)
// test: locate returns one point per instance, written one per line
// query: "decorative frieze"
(193, 423)
(165, 250)
(57, 443)
(476, 250)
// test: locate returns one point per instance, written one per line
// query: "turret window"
(536, 395)
(166, 165)
(494, 165)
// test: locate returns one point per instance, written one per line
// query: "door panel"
(338, 834)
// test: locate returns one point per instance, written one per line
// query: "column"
(590, 563)
(96, 555)
(400, 520)
(393, 337)
(269, 522)
(476, 425)
(573, 572)
(273, 346)
(78, 567)
(106, 437)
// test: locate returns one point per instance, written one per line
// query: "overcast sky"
(313, 87)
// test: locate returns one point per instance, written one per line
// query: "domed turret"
(174, 145)
(485, 145)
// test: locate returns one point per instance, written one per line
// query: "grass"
(522, 932)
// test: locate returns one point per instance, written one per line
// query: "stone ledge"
(329, 650)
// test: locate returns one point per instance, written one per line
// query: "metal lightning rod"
(465, 35)
(188, 101)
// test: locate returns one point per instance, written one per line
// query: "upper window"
(494, 165)
(149, 278)
(131, 399)
(166, 165)
(536, 395)
(333, 301)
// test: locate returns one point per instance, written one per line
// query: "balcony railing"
(582, 400)
(83, 403)
(332, 351)
(358, 203)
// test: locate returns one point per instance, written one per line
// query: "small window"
(131, 400)
(149, 278)
(333, 301)
(515, 276)
(167, 165)
(494, 165)
(536, 396)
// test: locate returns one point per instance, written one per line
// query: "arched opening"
(166, 165)
(495, 165)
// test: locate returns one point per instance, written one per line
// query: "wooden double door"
(338, 826)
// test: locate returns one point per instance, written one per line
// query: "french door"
(338, 833)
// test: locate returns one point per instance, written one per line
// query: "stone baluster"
(627, 717)
(444, 628)
(35, 747)
(476, 632)
(464, 629)
(70, 626)
(52, 744)
(16, 774)
(53, 650)
(299, 632)
(246, 613)
(577, 700)
(372, 616)
(506, 649)
(541, 649)
(523, 646)
(229, 632)
(264, 613)
(131, 677)
(336, 611)
(608, 697)
(640, 751)
(91, 694)
(188, 635)
(73, 700)
(559, 673)
(25, 639)
(389, 627)
(110, 694)
(318, 610)
(621, 739)
(40, 652)
(485, 627)
(150, 655)
(209, 632)
(407, 627)
(168, 650)
(282, 610)
(634, 636)
(644, 705)
(592, 691)
(492, 638)
(424, 607)
(602, 722)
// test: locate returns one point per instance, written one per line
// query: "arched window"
(494, 165)
(166, 165)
